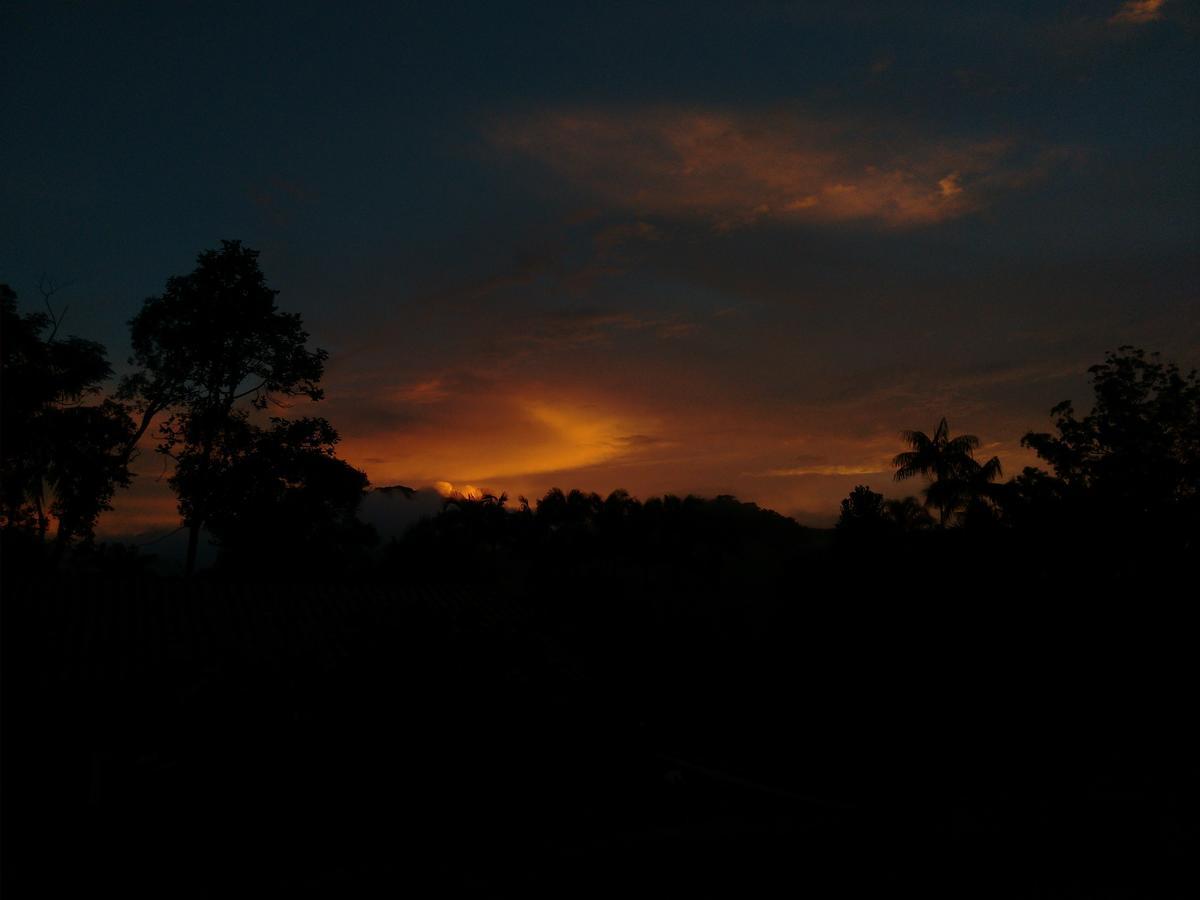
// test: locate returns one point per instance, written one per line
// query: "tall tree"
(213, 343)
(1135, 458)
(62, 457)
(908, 515)
(983, 497)
(949, 462)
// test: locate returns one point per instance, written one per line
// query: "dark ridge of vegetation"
(582, 539)
(983, 691)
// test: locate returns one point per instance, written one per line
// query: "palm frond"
(991, 469)
(909, 465)
(962, 445)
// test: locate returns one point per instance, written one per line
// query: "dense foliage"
(279, 500)
(61, 444)
(212, 343)
(1130, 467)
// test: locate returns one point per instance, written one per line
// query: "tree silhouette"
(1135, 458)
(862, 509)
(214, 342)
(907, 514)
(62, 458)
(278, 499)
(950, 462)
(982, 497)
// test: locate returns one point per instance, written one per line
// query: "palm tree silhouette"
(950, 462)
(981, 493)
(908, 514)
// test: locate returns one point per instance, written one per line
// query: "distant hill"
(392, 509)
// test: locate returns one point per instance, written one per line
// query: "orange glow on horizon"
(469, 437)
(510, 438)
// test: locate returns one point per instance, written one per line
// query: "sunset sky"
(694, 248)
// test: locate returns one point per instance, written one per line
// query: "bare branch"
(253, 390)
(47, 288)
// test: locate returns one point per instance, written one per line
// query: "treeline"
(213, 357)
(1120, 500)
(583, 543)
(1122, 494)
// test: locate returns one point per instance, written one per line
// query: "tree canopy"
(1134, 460)
(279, 499)
(1139, 447)
(215, 337)
(213, 342)
(62, 456)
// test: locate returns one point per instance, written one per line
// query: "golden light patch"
(462, 491)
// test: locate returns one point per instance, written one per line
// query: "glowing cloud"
(734, 169)
(949, 185)
(460, 491)
(486, 438)
(1137, 12)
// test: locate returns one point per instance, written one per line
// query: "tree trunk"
(211, 425)
(43, 521)
(198, 509)
(147, 416)
(193, 546)
(60, 545)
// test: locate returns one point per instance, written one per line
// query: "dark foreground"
(200, 740)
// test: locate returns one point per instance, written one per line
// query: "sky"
(689, 248)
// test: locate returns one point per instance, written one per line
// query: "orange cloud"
(460, 491)
(1137, 12)
(734, 169)
(496, 434)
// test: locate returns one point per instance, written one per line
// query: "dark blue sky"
(694, 247)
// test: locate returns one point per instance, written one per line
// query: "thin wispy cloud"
(822, 470)
(431, 390)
